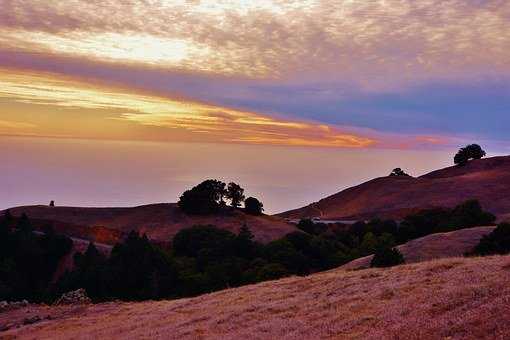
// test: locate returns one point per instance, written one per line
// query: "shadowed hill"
(487, 180)
(459, 298)
(159, 221)
(435, 246)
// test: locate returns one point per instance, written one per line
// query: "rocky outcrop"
(77, 297)
(8, 306)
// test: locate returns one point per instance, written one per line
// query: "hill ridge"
(487, 180)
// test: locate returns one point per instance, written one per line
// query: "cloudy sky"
(344, 74)
(349, 73)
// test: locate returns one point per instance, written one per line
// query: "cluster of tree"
(472, 151)
(466, 215)
(496, 243)
(398, 172)
(209, 197)
(203, 259)
(28, 260)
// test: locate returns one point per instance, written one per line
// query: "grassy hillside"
(487, 180)
(458, 298)
(159, 221)
(435, 246)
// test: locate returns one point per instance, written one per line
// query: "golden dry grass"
(159, 221)
(434, 246)
(487, 180)
(458, 298)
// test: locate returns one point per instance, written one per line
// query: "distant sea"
(76, 172)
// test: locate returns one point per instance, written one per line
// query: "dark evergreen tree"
(387, 257)
(497, 242)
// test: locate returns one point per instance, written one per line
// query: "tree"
(475, 151)
(253, 206)
(244, 242)
(387, 257)
(398, 172)
(472, 151)
(497, 242)
(203, 238)
(8, 216)
(368, 244)
(52, 203)
(470, 214)
(203, 199)
(24, 224)
(235, 194)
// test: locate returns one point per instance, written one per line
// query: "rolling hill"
(159, 221)
(487, 180)
(434, 246)
(458, 298)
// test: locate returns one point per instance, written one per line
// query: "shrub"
(253, 206)
(271, 271)
(387, 257)
(190, 242)
(497, 242)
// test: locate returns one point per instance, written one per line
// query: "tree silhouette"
(397, 172)
(253, 206)
(205, 198)
(472, 151)
(235, 194)
(387, 257)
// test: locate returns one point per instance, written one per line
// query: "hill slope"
(159, 221)
(456, 298)
(435, 246)
(487, 180)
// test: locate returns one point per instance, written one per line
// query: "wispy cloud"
(242, 65)
(221, 124)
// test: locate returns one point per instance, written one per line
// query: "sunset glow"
(343, 76)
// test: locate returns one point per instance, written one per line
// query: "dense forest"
(204, 258)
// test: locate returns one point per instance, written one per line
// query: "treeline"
(27, 260)
(204, 258)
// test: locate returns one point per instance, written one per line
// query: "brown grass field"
(456, 298)
(487, 180)
(434, 246)
(159, 221)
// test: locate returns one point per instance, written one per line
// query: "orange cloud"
(147, 113)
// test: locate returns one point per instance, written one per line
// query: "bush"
(310, 227)
(190, 242)
(497, 242)
(272, 271)
(387, 257)
(253, 206)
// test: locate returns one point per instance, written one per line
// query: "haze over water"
(77, 172)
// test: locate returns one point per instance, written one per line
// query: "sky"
(391, 78)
